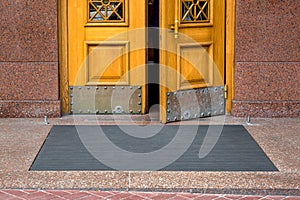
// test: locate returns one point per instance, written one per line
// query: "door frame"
(63, 53)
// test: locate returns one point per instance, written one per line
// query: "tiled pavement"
(21, 139)
(93, 195)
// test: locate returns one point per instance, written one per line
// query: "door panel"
(106, 51)
(192, 59)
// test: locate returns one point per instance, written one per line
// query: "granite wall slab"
(267, 30)
(29, 81)
(29, 85)
(28, 30)
(267, 52)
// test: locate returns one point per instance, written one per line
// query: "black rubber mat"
(173, 148)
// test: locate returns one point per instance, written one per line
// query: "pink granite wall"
(29, 85)
(267, 64)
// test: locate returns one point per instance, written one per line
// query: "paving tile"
(251, 197)
(58, 193)
(18, 193)
(133, 197)
(179, 197)
(267, 198)
(4, 195)
(30, 191)
(91, 197)
(163, 196)
(189, 196)
(292, 198)
(222, 198)
(121, 195)
(101, 193)
(77, 195)
(36, 195)
(146, 194)
(207, 197)
(56, 198)
(277, 197)
(233, 196)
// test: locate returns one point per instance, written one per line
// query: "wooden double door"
(125, 55)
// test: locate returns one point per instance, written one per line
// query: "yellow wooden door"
(192, 59)
(106, 57)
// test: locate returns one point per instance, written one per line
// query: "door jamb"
(230, 50)
(63, 56)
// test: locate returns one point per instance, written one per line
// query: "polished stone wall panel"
(28, 30)
(267, 52)
(29, 74)
(29, 81)
(267, 81)
(267, 30)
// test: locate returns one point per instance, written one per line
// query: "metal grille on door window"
(104, 11)
(194, 11)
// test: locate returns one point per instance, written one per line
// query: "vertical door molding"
(63, 55)
(230, 53)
